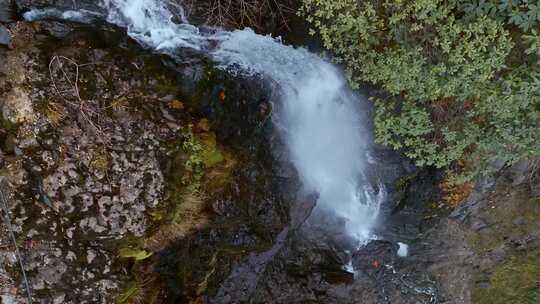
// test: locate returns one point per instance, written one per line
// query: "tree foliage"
(463, 76)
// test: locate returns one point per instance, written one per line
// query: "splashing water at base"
(318, 115)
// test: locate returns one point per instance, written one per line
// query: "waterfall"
(318, 115)
(320, 121)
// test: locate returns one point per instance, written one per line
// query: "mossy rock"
(516, 281)
(511, 208)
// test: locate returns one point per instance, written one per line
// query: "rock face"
(488, 248)
(82, 167)
(93, 171)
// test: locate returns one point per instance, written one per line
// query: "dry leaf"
(176, 104)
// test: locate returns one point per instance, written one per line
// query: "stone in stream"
(5, 36)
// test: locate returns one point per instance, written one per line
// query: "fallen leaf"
(137, 254)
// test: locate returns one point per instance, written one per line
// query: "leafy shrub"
(462, 76)
(522, 13)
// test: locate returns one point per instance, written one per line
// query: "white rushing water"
(403, 250)
(318, 115)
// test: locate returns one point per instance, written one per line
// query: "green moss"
(200, 168)
(517, 281)
(203, 155)
(500, 221)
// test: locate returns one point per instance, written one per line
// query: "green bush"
(462, 76)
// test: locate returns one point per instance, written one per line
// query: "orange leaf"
(176, 104)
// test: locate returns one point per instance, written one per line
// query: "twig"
(14, 239)
(241, 13)
(85, 112)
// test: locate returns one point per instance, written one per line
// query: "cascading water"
(318, 115)
(319, 119)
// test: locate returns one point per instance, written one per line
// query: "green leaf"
(137, 254)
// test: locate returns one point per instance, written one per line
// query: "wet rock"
(57, 29)
(520, 172)
(6, 11)
(372, 258)
(301, 210)
(62, 5)
(338, 276)
(5, 36)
